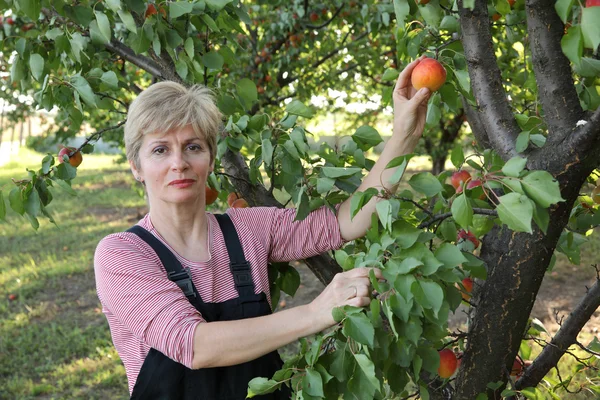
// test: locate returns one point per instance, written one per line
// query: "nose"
(178, 161)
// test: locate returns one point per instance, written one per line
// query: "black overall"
(162, 378)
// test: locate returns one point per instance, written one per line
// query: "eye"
(159, 150)
(194, 147)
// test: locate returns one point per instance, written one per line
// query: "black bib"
(162, 378)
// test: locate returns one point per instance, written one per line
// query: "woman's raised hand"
(410, 108)
(351, 288)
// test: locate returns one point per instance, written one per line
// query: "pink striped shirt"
(145, 310)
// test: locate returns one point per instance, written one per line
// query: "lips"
(181, 182)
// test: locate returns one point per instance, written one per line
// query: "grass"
(54, 339)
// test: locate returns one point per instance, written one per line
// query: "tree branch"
(440, 217)
(556, 89)
(486, 79)
(323, 266)
(116, 47)
(565, 337)
(587, 136)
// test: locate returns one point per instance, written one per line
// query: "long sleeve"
(285, 239)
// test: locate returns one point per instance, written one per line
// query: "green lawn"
(54, 339)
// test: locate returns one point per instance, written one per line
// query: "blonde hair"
(169, 105)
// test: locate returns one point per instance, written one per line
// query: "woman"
(186, 294)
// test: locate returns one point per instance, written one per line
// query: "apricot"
(211, 195)
(75, 160)
(448, 363)
(240, 203)
(428, 73)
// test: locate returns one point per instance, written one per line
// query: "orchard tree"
(524, 73)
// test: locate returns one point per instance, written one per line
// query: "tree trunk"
(22, 134)
(439, 164)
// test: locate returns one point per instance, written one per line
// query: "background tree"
(524, 73)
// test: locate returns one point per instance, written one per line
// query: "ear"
(134, 170)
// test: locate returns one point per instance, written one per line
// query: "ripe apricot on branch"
(231, 197)
(428, 73)
(468, 288)
(240, 203)
(448, 363)
(459, 178)
(211, 195)
(75, 160)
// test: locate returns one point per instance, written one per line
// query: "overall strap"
(240, 267)
(175, 271)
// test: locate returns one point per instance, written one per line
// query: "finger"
(350, 292)
(403, 83)
(359, 301)
(363, 291)
(419, 99)
(357, 273)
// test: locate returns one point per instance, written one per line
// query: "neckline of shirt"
(210, 222)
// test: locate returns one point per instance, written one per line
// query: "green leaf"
(103, 26)
(246, 89)
(384, 212)
(563, 9)
(434, 294)
(457, 156)
(514, 166)
(590, 27)
(312, 383)
(401, 163)
(210, 22)
(33, 204)
(2, 206)
(177, 9)
(31, 8)
(401, 9)
(114, 5)
(302, 205)
(541, 218)
(390, 74)
(128, 20)
(450, 255)
(213, 60)
(189, 47)
(522, 141)
(366, 137)
(217, 5)
(16, 201)
(368, 369)
(463, 80)
(110, 79)
(17, 70)
(259, 386)
(572, 44)
(267, 151)
(84, 89)
(359, 328)
(358, 199)
(542, 188)
(516, 211)
(462, 211)
(426, 183)
(406, 234)
(289, 279)
(64, 186)
(182, 68)
(337, 172)
(296, 107)
(36, 65)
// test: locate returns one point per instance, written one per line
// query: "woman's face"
(174, 167)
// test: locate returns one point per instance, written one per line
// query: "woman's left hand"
(410, 108)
